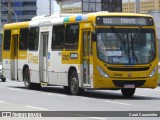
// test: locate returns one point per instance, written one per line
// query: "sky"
(43, 7)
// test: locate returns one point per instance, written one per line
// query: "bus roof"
(55, 19)
(16, 25)
(118, 14)
(78, 18)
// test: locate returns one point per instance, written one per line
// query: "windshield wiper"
(132, 40)
(119, 37)
(122, 40)
(136, 34)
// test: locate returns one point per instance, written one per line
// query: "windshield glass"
(126, 46)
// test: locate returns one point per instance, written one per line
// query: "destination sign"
(128, 21)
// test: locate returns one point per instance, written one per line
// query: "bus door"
(14, 57)
(43, 60)
(86, 57)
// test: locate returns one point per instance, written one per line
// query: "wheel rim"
(73, 85)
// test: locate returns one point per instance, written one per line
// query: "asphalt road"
(14, 97)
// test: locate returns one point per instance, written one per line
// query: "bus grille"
(128, 69)
(121, 83)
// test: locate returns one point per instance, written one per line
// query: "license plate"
(129, 86)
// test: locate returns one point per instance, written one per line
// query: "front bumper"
(107, 83)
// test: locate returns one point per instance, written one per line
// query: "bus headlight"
(153, 72)
(102, 72)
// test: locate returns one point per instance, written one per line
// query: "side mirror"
(94, 37)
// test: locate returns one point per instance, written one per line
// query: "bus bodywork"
(93, 51)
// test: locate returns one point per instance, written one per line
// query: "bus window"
(23, 42)
(71, 36)
(7, 38)
(33, 39)
(58, 37)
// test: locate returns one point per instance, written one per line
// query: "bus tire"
(26, 79)
(128, 92)
(27, 82)
(74, 84)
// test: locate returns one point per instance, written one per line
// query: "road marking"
(50, 94)
(85, 98)
(117, 103)
(141, 95)
(152, 90)
(61, 95)
(2, 101)
(15, 89)
(36, 107)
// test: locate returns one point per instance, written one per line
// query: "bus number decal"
(32, 59)
(65, 57)
(73, 55)
(87, 25)
(118, 74)
(107, 20)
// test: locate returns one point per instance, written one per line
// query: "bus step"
(44, 84)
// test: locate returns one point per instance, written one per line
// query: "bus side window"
(33, 38)
(23, 41)
(58, 37)
(71, 36)
(7, 40)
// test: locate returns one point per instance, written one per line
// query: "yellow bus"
(102, 50)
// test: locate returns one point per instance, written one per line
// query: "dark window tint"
(102, 5)
(71, 36)
(58, 37)
(92, 5)
(33, 39)
(7, 38)
(23, 41)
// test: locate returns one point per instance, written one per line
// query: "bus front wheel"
(128, 92)
(74, 84)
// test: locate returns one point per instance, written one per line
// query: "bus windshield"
(126, 45)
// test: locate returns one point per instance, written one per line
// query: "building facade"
(145, 6)
(86, 6)
(24, 10)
